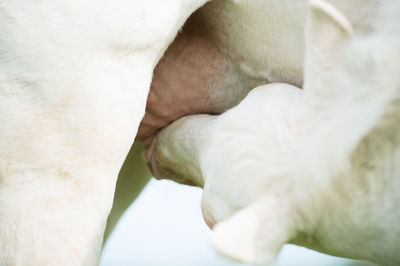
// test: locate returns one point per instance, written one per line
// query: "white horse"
(74, 78)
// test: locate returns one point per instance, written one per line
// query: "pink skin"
(186, 81)
(209, 222)
(182, 81)
(206, 210)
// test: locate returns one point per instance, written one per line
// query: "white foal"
(318, 167)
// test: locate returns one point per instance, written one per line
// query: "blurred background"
(164, 226)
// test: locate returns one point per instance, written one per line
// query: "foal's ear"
(327, 27)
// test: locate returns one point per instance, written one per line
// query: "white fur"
(74, 77)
